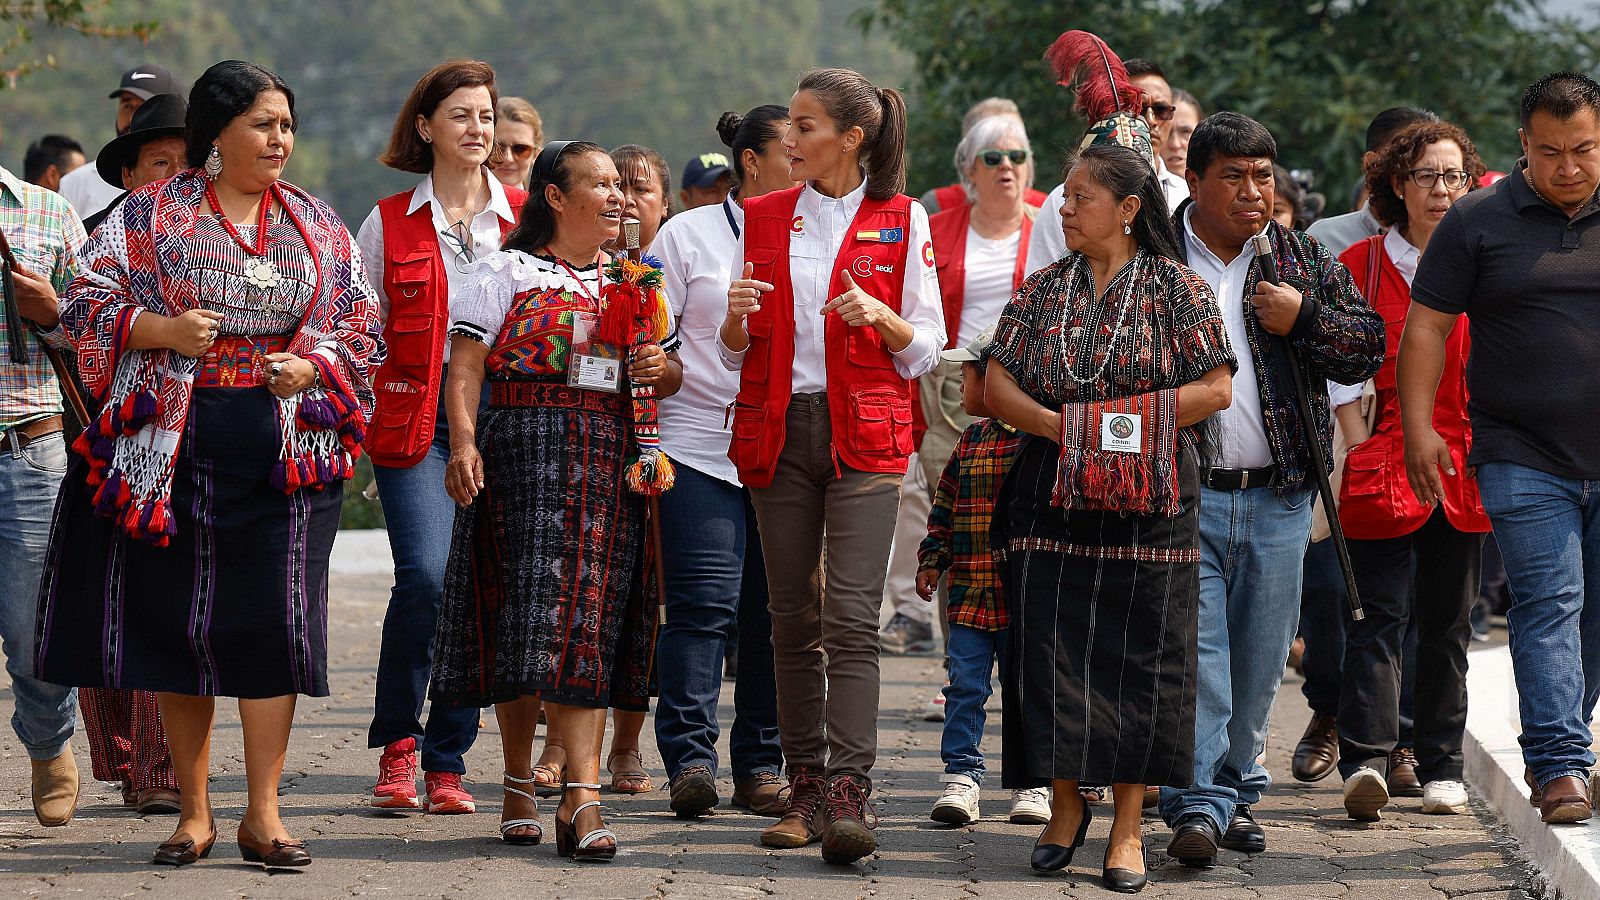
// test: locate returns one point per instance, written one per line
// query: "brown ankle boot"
(798, 827)
(55, 789)
(846, 835)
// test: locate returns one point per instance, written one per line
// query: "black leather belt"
(1239, 479)
(29, 433)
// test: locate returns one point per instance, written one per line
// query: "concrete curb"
(1567, 855)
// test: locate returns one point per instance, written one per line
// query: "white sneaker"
(1365, 793)
(934, 711)
(1030, 806)
(1444, 798)
(959, 803)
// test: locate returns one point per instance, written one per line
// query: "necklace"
(583, 289)
(1087, 340)
(1529, 179)
(260, 273)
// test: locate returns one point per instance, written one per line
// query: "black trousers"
(1429, 576)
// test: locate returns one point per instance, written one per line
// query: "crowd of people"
(786, 419)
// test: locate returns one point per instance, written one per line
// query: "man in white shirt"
(83, 187)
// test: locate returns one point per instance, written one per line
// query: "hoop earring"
(213, 163)
(1126, 228)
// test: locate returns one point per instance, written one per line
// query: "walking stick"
(72, 390)
(1302, 401)
(630, 248)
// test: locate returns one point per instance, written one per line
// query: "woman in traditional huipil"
(543, 594)
(223, 322)
(1108, 358)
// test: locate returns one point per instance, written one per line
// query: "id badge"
(1121, 432)
(594, 364)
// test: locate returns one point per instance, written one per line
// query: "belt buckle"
(1244, 479)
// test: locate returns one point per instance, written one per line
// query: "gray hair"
(986, 133)
(988, 106)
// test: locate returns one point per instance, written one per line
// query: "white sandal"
(579, 849)
(507, 825)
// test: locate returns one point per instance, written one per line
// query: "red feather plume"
(1102, 81)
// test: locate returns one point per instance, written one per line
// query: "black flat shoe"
(1243, 834)
(1194, 841)
(1048, 858)
(1123, 881)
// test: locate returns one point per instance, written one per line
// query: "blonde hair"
(516, 109)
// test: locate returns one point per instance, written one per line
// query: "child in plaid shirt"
(958, 545)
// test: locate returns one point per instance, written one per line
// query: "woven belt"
(23, 435)
(559, 396)
(1239, 479)
(238, 361)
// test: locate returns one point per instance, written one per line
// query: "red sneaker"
(397, 777)
(446, 796)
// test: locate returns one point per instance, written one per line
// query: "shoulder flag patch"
(882, 235)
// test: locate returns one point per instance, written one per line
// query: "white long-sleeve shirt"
(812, 253)
(1049, 243)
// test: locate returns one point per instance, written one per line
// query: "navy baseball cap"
(704, 170)
(146, 81)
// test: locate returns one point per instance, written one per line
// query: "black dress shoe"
(1243, 834)
(1049, 858)
(1123, 881)
(1194, 841)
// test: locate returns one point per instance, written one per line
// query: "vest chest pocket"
(879, 421)
(410, 275)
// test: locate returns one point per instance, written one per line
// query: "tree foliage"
(1313, 71)
(81, 17)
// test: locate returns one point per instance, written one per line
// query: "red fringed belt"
(560, 396)
(238, 361)
(1120, 455)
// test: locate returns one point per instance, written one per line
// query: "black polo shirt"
(1528, 279)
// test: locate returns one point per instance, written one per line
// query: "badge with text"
(594, 364)
(1121, 432)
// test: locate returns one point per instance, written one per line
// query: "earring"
(426, 139)
(1126, 228)
(213, 163)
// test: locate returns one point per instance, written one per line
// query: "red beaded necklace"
(583, 289)
(261, 223)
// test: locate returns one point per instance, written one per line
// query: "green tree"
(78, 16)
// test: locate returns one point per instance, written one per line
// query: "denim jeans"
(1548, 529)
(420, 516)
(1252, 546)
(715, 582)
(970, 658)
(45, 714)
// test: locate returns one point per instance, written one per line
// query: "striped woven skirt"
(235, 606)
(1101, 687)
(543, 594)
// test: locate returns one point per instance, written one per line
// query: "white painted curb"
(1567, 855)
(361, 551)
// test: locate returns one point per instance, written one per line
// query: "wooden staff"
(631, 249)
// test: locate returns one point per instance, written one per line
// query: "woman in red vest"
(1413, 560)
(415, 245)
(835, 309)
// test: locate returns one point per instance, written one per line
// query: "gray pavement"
(1314, 851)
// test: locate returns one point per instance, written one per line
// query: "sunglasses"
(1162, 111)
(461, 248)
(992, 157)
(520, 151)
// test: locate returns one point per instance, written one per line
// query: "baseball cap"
(704, 170)
(978, 349)
(146, 81)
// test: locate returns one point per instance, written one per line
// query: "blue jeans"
(715, 579)
(30, 476)
(1252, 546)
(420, 516)
(970, 658)
(1548, 529)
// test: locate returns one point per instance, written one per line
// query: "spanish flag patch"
(882, 235)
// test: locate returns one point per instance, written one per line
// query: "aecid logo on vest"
(798, 226)
(862, 267)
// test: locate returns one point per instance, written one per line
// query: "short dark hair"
(538, 223)
(50, 150)
(1561, 94)
(631, 160)
(979, 365)
(407, 151)
(1139, 67)
(1229, 134)
(223, 94)
(1286, 187)
(1126, 173)
(1388, 123)
(1395, 159)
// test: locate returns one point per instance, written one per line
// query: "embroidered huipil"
(958, 525)
(46, 237)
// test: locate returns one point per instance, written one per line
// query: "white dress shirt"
(87, 191)
(812, 253)
(697, 250)
(1400, 252)
(990, 269)
(1049, 244)
(1244, 435)
(485, 228)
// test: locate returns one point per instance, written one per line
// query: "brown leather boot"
(1318, 750)
(763, 793)
(1403, 780)
(1565, 801)
(846, 835)
(55, 789)
(798, 827)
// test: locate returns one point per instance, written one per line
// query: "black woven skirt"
(1101, 687)
(236, 605)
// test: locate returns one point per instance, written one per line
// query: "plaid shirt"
(958, 525)
(46, 236)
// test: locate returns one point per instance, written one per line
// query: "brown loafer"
(1318, 751)
(55, 789)
(181, 849)
(1566, 800)
(763, 793)
(157, 801)
(276, 854)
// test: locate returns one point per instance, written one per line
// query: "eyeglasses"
(520, 151)
(992, 157)
(1162, 111)
(460, 246)
(1454, 180)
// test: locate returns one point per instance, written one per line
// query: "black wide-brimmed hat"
(160, 116)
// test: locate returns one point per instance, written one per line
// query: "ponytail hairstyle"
(553, 165)
(1125, 173)
(751, 131)
(852, 101)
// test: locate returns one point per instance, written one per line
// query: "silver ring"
(276, 369)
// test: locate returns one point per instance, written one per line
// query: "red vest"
(869, 403)
(954, 196)
(1376, 501)
(949, 232)
(407, 385)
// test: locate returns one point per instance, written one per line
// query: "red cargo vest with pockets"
(406, 386)
(869, 404)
